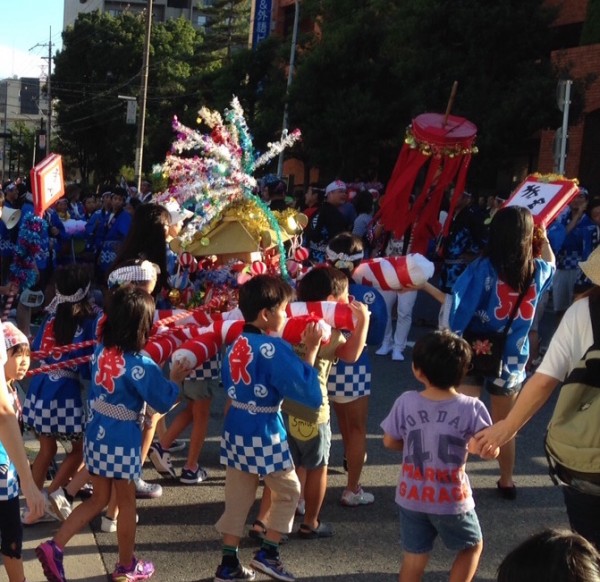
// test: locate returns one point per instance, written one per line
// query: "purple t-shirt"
(435, 434)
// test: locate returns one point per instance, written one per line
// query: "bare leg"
(126, 525)
(68, 467)
(412, 567)
(314, 494)
(465, 564)
(500, 407)
(40, 465)
(200, 414)
(78, 481)
(148, 436)
(112, 509)
(180, 422)
(353, 417)
(84, 512)
(14, 569)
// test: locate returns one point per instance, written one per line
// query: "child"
(258, 372)
(350, 384)
(552, 556)
(14, 352)
(436, 424)
(310, 443)
(53, 407)
(122, 380)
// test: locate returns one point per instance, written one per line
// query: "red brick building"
(583, 64)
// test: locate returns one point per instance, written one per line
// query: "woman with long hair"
(483, 300)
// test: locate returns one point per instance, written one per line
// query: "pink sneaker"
(51, 559)
(138, 570)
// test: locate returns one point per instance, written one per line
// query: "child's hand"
(474, 448)
(360, 311)
(180, 370)
(36, 502)
(312, 336)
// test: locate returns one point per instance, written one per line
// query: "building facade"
(23, 106)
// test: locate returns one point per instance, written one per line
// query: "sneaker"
(60, 504)
(397, 355)
(108, 525)
(144, 490)
(271, 567)
(301, 507)
(351, 499)
(161, 459)
(26, 519)
(176, 446)
(384, 350)
(51, 559)
(225, 573)
(85, 492)
(189, 477)
(138, 570)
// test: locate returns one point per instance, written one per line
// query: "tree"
(227, 29)
(373, 65)
(101, 59)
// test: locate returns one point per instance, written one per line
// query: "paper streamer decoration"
(394, 273)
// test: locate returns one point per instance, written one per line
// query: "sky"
(26, 23)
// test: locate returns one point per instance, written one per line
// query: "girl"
(483, 298)
(53, 407)
(16, 364)
(350, 383)
(122, 380)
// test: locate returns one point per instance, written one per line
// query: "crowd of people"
(107, 268)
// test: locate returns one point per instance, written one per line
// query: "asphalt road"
(176, 531)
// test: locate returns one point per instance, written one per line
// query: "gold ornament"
(175, 297)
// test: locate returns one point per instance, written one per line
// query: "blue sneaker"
(189, 477)
(271, 567)
(51, 559)
(225, 573)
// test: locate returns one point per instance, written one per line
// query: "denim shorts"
(419, 530)
(490, 387)
(312, 452)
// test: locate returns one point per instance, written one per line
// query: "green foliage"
(378, 64)
(591, 27)
(227, 29)
(101, 59)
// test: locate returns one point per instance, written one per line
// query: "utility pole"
(49, 92)
(289, 81)
(139, 148)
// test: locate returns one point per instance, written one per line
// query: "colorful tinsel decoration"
(219, 172)
(29, 245)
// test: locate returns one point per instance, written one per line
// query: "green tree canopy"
(373, 65)
(101, 59)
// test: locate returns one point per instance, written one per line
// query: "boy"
(436, 425)
(258, 372)
(310, 443)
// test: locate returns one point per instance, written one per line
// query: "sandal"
(509, 493)
(257, 534)
(323, 530)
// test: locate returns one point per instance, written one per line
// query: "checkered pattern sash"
(116, 412)
(252, 408)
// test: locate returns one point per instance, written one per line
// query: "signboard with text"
(261, 27)
(544, 198)
(47, 184)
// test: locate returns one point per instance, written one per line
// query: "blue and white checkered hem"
(251, 454)
(54, 418)
(349, 380)
(9, 485)
(114, 462)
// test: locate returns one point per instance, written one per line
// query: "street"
(176, 531)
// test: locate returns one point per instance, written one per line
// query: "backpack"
(572, 440)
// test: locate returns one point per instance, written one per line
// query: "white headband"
(60, 298)
(342, 260)
(145, 271)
